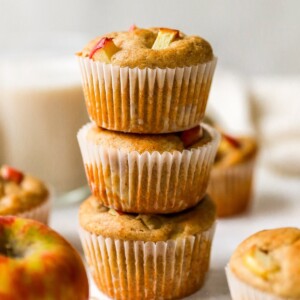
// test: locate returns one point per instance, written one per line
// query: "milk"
(41, 109)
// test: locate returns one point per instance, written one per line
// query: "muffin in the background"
(154, 80)
(266, 266)
(148, 173)
(230, 184)
(140, 257)
(23, 195)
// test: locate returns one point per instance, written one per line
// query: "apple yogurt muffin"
(230, 184)
(148, 173)
(137, 256)
(23, 195)
(266, 266)
(154, 80)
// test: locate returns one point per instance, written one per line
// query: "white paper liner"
(39, 213)
(148, 182)
(242, 291)
(146, 100)
(231, 187)
(137, 270)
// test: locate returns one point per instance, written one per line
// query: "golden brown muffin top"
(100, 220)
(144, 142)
(19, 192)
(233, 150)
(270, 261)
(135, 50)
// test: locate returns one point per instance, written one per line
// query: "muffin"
(148, 173)
(266, 266)
(23, 195)
(154, 80)
(230, 183)
(136, 256)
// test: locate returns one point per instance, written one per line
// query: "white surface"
(275, 204)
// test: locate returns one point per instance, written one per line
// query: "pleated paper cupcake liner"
(148, 182)
(39, 213)
(137, 270)
(231, 187)
(240, 290)
(146, 100)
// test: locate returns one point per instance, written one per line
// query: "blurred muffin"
(154, 80)
(136, 256)
(230, 183)
(148, 173)
(23, 195)
(266, 266)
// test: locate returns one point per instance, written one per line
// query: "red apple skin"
(52, 269)
(100, 45)
(233, 141)
(132, 28)
(191, 136)
(11, 174)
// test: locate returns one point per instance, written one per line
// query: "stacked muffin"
(147, 229)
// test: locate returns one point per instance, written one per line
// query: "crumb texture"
(136, 50)
(106, 222)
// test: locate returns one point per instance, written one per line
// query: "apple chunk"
(11, 174)
(104, 50)
(132, 28)
(260, 262)
(231, 140)
(191, 136)
(164, 38)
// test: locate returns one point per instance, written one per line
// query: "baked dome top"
(169, 142)
(100, 220)
(235, 150)
(269, 261)
(19, 192)
(135, 50)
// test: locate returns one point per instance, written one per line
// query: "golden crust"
(283, 245)
(141, 143)
(103, 221)
(136, 50)
(17, 198)
(235, 155)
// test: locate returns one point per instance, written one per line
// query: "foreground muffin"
(136, 256)
(23, 195)
(148, 173)
(230, 184)
(154, 80)
(266, 266)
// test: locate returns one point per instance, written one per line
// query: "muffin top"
(149, 48)
(192, 138)
(233, 150)
(270, 261)
(19, 192)
(100, 220)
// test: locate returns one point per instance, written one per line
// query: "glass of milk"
(41, 109)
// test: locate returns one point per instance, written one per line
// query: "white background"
(253, 37)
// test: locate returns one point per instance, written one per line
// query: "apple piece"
(164, 38)
(38, 263)
(231, 140)
(191, 136)
(105, 49)
(132, 28)
(10, 174)
(115, 212)
(260, 262)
